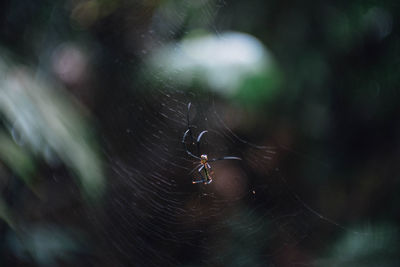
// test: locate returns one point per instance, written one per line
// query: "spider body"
(204, 159)
(204, 170)
(203, 167)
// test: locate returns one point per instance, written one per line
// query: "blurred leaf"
(46, 244)
(51, 124)
(377, 246)
(16, 158)
(5, 214)
(232, 64)
(260, 88)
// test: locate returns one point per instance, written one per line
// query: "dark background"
(93, 107)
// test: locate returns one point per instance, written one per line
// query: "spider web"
(155, 216)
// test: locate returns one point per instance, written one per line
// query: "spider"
(203, 167)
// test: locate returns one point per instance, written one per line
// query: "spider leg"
(185, 146)
(202, 177)
(224, 158)
(188, 132)
(189, 127)
(195, 168)
(198, 140)
(187, 114)
(207, 169)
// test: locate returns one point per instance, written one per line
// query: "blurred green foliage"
(46, 244)
(377, 246)
(16, 158)
(47, 122)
